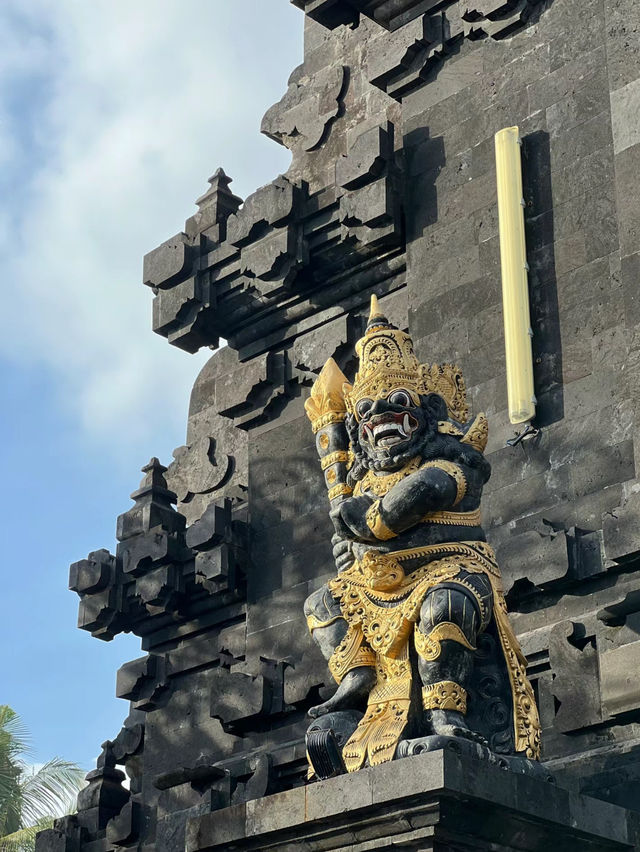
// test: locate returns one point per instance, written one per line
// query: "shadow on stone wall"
(543, 287)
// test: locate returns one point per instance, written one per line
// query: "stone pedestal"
(438, 801)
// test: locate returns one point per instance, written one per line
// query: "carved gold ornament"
(314, 623)
(477, 434)
(340, 490)
(457, 519)
(376, 737)
(334, 458)
(327, 404)
(350, 654)
(446, 427)
(445, 695)
(429, 647)
(382, 572)
(380, 484)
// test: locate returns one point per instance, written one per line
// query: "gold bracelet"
(455, 472)
(339, 490)
(327, 419)
(376, 524)
(334, 458)
(445, 695)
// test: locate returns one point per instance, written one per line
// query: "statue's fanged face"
(388, 428)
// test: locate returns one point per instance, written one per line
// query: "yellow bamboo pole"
(515, 290)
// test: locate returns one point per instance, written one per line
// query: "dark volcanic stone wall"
(561, 511)
(391, 190)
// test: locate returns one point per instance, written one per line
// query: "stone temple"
(391, 192)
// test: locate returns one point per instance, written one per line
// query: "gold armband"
(445, 695)
(455, 472)
(376, 524)
(340, 490)
(334, 458)
(327, 419)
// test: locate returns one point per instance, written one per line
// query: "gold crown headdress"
(388, 363)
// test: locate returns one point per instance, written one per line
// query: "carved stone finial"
(219, 196)
(153, 505)
(214, 208)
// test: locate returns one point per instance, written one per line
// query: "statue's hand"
(352, 514)
(341, 552)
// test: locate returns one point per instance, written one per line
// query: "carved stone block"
(574, 658)
(619, 679)
(329, 13)
(270, 205)
(237, 696)
(166, 264)
(620, 529)
(141, 677)
(307, 109)
(92, 574)
(366, 158)
(123, 829)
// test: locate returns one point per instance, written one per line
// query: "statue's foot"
(351, 694)
(450, 723)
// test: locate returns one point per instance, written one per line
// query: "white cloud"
(112, 116)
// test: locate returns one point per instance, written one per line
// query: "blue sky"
(112, 117)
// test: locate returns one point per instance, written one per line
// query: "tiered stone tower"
(392, 190)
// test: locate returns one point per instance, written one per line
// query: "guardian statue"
(414, 626)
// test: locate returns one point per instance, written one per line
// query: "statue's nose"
(378, 407)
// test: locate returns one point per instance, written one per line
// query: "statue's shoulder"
(476, 432)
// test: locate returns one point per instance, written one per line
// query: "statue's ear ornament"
(447, 381)
(477, 433)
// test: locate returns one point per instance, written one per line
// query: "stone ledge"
(419, 803)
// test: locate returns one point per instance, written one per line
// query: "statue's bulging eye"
(363, 407)
(400, 398)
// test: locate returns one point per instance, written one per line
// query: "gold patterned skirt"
(381, 603)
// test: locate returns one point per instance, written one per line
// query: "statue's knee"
(321, 604)
(447, 605)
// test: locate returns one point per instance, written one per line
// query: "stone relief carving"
(301, 118)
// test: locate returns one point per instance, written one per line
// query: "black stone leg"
(353, 691)
(447, 611)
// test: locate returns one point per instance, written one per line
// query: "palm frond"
(24, 839)
(52, 790)
(15, 739)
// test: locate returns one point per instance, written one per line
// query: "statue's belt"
(393, 575)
